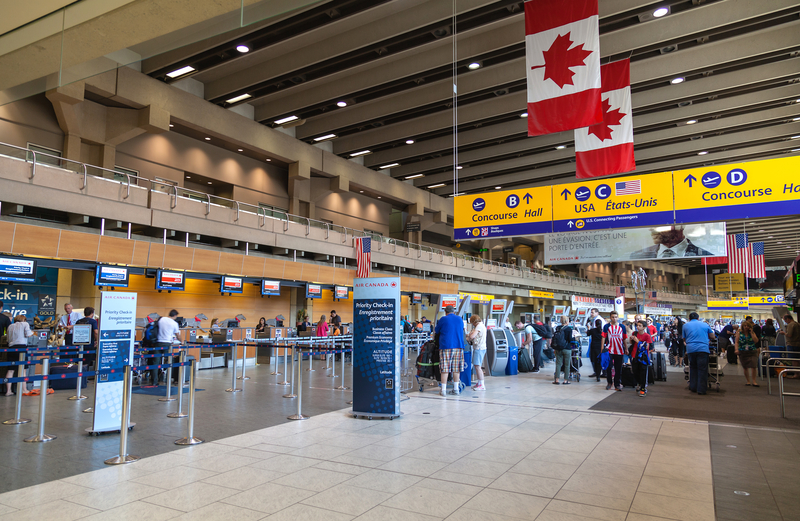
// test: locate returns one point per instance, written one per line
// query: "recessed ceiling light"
(209, 182)
(704, 152)
(691, 122)
(780, 242)
(240, 150)
(341, 104)
(181, 71)
(770, 237)
(361, 191)
(796, 119)
(208, 139)
(795, 150)
(379, 197)
(323, 138)
(268, 159)
(561, 147)
(761, 230)
(238, 98)
(661, 11)
(242, 48)
(363, 152)
(188, 177)
(390, 165)
(409, 141)
(524, 115)
(456, 195)
(677, 80)
(498, 187)
(459, 167)
(171, 125)
(285, 120)
(414, 176)
(436, 186)
(474, 65)
(794, 137)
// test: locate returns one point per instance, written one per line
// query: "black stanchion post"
(78, 395)
(16, 420)
(190, 438)
(181, 376)
(41, 437)
(127, 388)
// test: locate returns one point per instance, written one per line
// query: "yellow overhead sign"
(738, 190)
(540, 294)
(621, 202)
(527, 211)
(767, 300)
(476, 298)
(739, 303)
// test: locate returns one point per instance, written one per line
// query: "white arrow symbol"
(570, 224)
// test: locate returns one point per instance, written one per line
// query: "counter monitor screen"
(271, 287)
(313, 291)
(17, 269)
(342, 292)
(171, 280)
(111, 276)
(416, 298)
(499, 335)
(230, 284)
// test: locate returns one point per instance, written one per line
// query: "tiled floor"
(524, 449)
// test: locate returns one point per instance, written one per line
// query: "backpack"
(150, 337)
(548, 331)
(541, 330)
(407, 327)
(560, 340)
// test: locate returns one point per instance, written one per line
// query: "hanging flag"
(363, 256)
(757, 268)
(562, 41)
(620, 291)
(606, 148)
(711, 261)
(738, 253)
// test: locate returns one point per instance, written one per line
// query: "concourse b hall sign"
(710, 194)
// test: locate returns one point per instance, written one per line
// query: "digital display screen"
(111, 276)
(271, 287)
(416, 298)
(17, 269)
(499, 335)
(230, 284)
(342, 292)
(449, 300)
(313, 291)
(171, 280)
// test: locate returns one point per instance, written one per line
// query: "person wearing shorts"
(477, 338)
(747, 346)
(450, 332)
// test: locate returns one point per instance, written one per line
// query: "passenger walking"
(769, 333)
(792, 332)
(596, 347)
(168, 330)
(322, 326)
(697, 335)
(614, 335)
(747, 348)
(18, 334)
(641, 347)
(477, 337)
(562, 346)
(450, 332)
(533, 341)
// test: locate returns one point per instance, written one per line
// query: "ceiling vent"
(442, 32)
(669, 48)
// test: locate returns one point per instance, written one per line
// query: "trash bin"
(512, 368)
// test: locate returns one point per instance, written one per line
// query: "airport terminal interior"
(237, 237)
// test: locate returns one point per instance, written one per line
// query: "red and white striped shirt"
(616, 336)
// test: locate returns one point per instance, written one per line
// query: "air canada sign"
(375, 285)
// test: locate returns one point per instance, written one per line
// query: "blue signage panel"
(37, 298)
(17, 269)
(376, 347)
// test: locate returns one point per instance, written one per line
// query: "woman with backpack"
(562, 345)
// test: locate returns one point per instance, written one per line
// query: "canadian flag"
(562, 41)
(607, 148)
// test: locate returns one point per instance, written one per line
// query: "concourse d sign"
(526, 211)
(738, 191)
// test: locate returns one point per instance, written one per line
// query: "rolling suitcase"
(660, 367)
(525, 365)
(627, 378)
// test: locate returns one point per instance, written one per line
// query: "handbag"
(605, 360)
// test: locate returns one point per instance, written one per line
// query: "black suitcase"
(628, 379)
(58, 383)
(524, 363)
(660, 367)
(730, 353)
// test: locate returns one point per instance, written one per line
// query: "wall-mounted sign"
(342, 292)
(766, 300)
(170, 280)
(313, 291)
(604, 305)
(729, 282)
(665, 310)
(17, 269)
(115, 276)
(270, 287)
(416, 298)
(476, 298)
(540, 294)
(448, 300)
(413, 226)
(231, 284)
(507, 213)
(736, 304)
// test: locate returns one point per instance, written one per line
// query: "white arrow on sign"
(570, 224)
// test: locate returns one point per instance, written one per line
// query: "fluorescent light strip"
(181, 71)
(363, 152)
(437, 186)
(415, 176)
(238, 98)
(323, 138)
(286, 120)
(390, 165)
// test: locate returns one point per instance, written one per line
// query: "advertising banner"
(658, 310)
(729, 282)
(509, 213)
(619, 305)
(117, 321)
(476, 298)
(603, 305)
(689, 241)
(376, 346)
(38, 298)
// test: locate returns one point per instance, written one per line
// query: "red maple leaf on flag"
(559, 59)
(610, 118)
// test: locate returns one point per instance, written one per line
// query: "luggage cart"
(715, 373)
(575, 364)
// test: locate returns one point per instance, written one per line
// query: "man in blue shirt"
(697, 334)
(450, 332)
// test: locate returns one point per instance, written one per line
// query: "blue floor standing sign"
(376, 347)
(117, 322)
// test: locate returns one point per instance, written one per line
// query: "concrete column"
(108, 155)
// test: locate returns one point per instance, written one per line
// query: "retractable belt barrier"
(781, 389)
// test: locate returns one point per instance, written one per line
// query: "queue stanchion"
(17, 419)
(127, 389)
(41, 437)
(333, 359)
(168, 376)
(285, 349)
(78, 395)
(275, 372)
(190, 438)
(244, 363)
(234, 356)
(295, 365)
(181, 376)
(310, 357)
(300, 415)
(343, 387)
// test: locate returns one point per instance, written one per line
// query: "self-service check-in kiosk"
(501, 346)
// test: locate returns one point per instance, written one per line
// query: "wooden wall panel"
(325, 275)
(156, 257)
(36, 240)
(293, 271)
(141, 252)
(253, 266)
(205, 261)
(6, 236)
(178, 257)
(351, 275)
(340, 277)
(274, 269)
(230, 263)
(77, 245)
(115, 250)
(310, 273)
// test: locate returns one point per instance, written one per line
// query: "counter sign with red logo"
(313, 291)
(448, 300)
(230, 284)
(270, 287)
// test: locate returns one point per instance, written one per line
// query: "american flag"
(620, 291)
(757, 268)
(363, 256)
(739, 253)
(628, 187)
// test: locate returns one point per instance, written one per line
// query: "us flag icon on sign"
(484, 232)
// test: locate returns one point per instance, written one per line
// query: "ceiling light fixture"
(524, 115)
(390, 165)
(796, 119)
(181, 71)
(363, 152)
(341, 104)
(171, 125)
(208, 139)
(691, 122)
(459, 167)
(268, 159)
(239, 150)
(379, 197)
(498, 187)
(242, 48)
(456, 195)
(414, 176)
(188, 177)
(474, 65)
(409, 141)
(561, 147)
(361, 191)
(677, 80)
(323, 138)
(780, 242)
(761, 230)
(286, 120)
(794, 137)
(704, 152)
(661, 11)
(437, 185)
(238, 98)
(209, 182)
